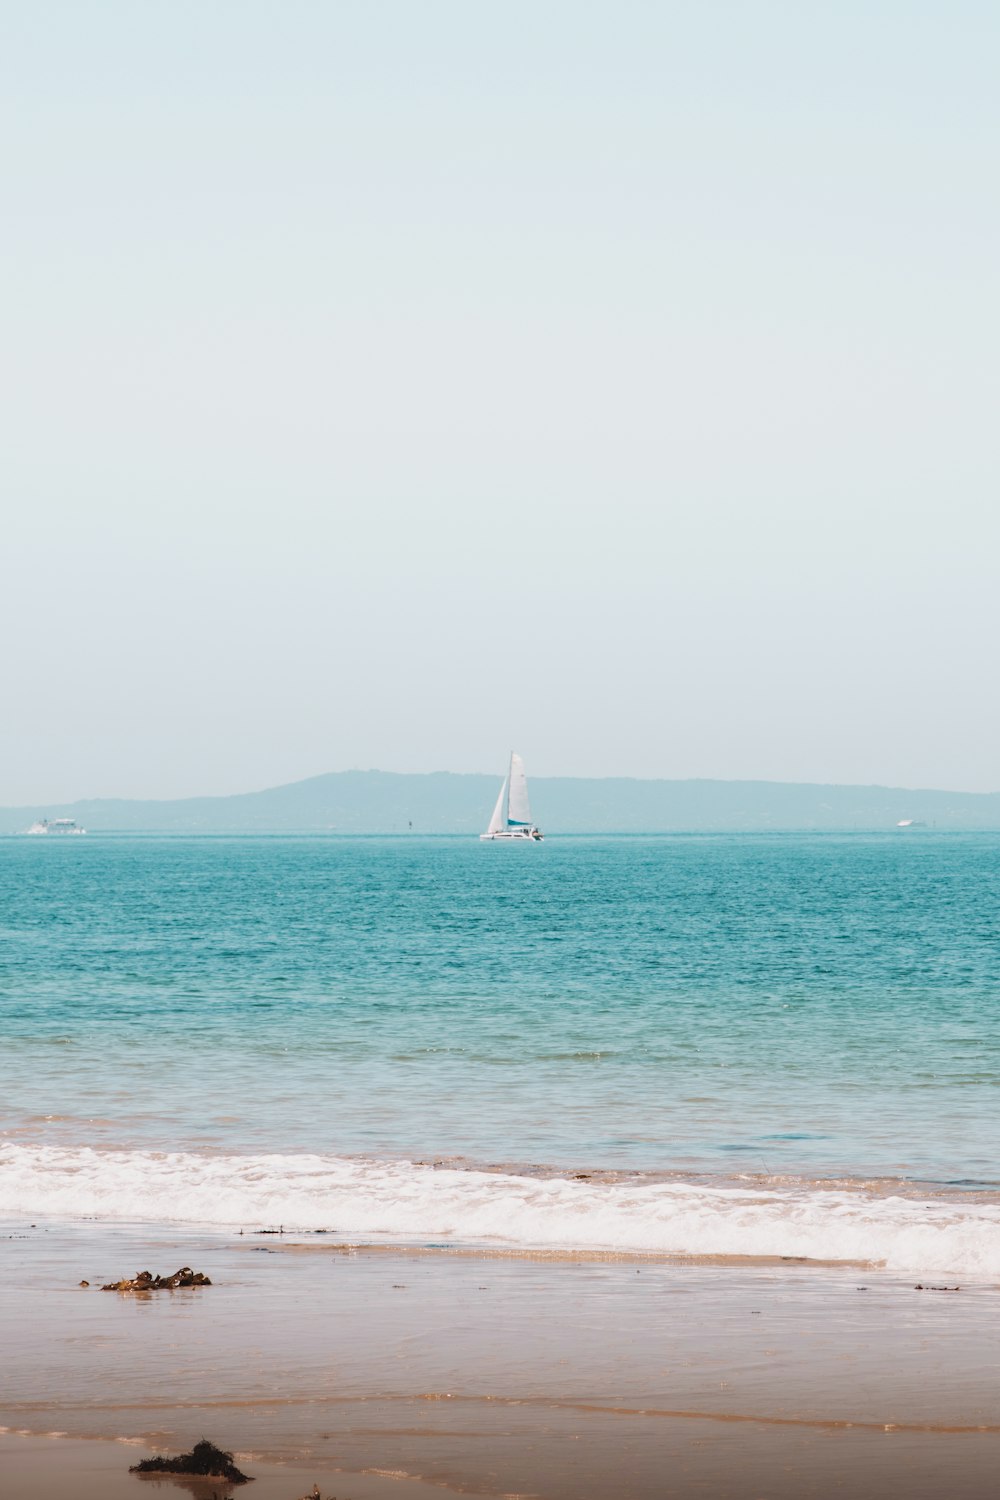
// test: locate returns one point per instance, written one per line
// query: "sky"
(390, 384)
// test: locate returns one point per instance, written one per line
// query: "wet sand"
(500, 1375)
(39, 1468)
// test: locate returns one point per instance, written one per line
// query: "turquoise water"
(716, 1047)
(788, 1003)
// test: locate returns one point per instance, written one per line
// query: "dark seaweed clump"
(204, 1459)
(145, 1281)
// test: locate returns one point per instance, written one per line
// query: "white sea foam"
(393, 1200)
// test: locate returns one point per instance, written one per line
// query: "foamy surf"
(407, 1201)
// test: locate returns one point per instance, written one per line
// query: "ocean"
(707, 1046)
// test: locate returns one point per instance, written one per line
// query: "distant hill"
(384, 802)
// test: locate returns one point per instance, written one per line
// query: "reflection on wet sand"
(505, 1374)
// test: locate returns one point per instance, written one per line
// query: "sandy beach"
(415, 1370)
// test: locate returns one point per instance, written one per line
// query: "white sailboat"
(512, 816)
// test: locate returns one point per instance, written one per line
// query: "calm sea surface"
(718, 1008)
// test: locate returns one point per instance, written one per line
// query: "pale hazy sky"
(389, 383)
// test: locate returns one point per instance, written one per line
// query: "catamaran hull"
(519, 835)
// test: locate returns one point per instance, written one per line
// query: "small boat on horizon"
(512, 815)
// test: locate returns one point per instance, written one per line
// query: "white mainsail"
(518, 811)
(498, 820)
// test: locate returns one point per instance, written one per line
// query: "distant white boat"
(56, 825)
(512, 816)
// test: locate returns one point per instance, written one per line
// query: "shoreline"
(548, 1256)
(497, 1373)
(913, 1228)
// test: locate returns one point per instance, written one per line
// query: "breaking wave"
(415, 1202)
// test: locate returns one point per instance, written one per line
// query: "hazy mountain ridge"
(449, 802)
